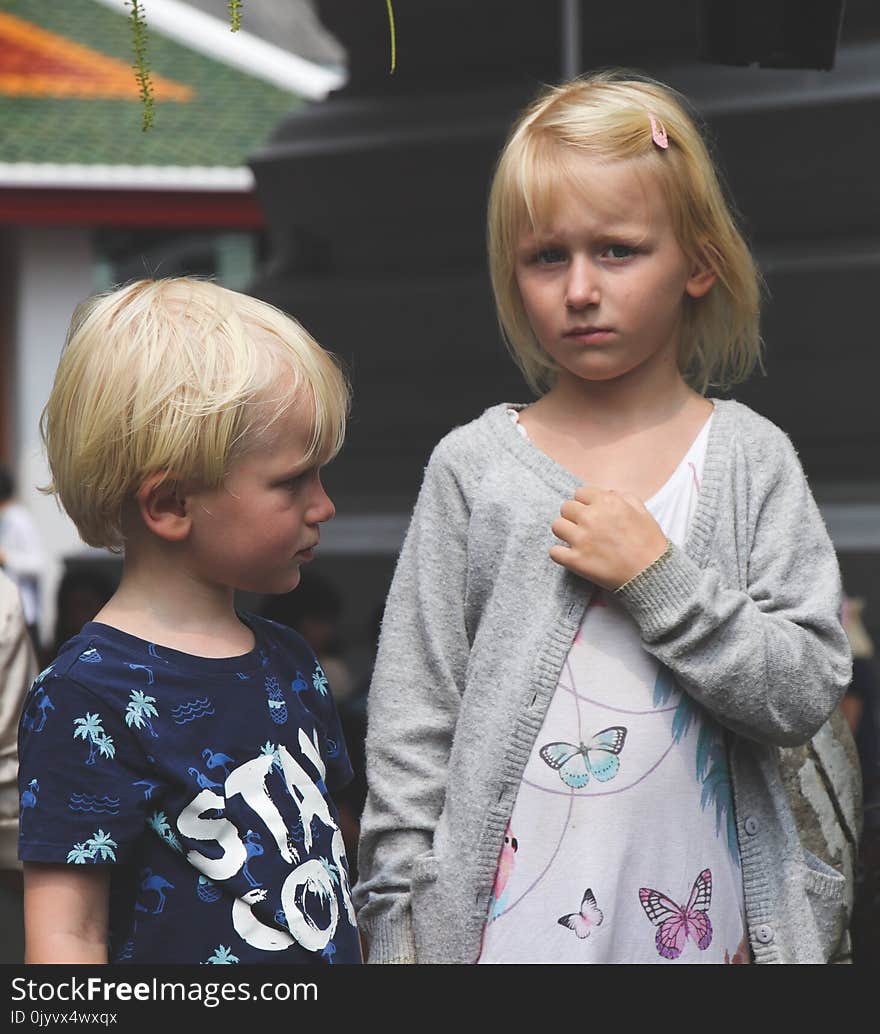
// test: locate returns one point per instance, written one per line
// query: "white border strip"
(212, 37)
(127, 177)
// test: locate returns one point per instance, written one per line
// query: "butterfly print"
(598, 758)
(674, 923)
(584, 922)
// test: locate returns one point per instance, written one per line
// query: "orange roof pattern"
(38, 63)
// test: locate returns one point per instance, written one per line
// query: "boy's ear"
(163, 508)
(701, 279)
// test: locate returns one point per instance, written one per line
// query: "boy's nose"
(321, 506)
(582, 286)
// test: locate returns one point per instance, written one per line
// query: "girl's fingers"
(573, 511)
(589, 494)
(561, 555)
(565, 530)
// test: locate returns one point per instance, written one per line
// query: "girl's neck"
(620, 406)
(165, 605)
(617, 436)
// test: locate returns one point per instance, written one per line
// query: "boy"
(183, 752)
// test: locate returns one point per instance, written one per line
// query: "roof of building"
(71, 113)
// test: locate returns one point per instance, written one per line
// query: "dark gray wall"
(376, 201)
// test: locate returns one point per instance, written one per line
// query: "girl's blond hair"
(606, 116)
(181, 377)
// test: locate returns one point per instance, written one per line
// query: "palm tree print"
(102, 845)
(319, 680)
(99, 845)
(158, 822)
(79, 854)
(91, 729)
(140, 710)
(330, 869)
(268, 749)
(222, 957)
(105, 746)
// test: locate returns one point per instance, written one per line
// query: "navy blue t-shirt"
(204, 782)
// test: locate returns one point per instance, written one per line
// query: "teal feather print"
(664, 686)
(711, 754)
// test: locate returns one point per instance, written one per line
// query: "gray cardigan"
(477, 627)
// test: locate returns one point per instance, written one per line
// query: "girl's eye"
(549, 256)
(619, 251)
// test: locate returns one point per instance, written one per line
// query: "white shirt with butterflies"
(622, 843)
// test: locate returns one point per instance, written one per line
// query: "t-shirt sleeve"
(83, 777)
(333, 747)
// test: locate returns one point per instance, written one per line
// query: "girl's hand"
(610, 536)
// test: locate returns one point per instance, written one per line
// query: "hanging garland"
(142, 64)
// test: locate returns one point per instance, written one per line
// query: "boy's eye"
(293, 483)
(619, 251)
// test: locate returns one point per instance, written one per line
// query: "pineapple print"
(277, 707)
(207, 890)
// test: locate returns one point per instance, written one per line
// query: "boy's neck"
(164, 604)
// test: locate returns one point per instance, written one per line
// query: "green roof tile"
(230, 115)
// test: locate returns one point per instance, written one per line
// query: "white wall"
(55, 272)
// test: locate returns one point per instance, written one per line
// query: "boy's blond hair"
(181, 377)
(606, 116)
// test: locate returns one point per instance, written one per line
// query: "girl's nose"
(582, 287)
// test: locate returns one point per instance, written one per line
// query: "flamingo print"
(217, 760)
(29, 798)
(254, 849)
(156, 884)
(43, 703)
(204, 782)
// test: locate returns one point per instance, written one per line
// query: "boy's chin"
(287, 585)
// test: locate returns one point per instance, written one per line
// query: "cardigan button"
(751, 825)
(764, 933)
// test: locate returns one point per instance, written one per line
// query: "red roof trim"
(134, 208)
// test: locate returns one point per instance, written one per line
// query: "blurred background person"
(82, 592)
(861, 706)
(314, 609)
(21, 552)
(17, 670)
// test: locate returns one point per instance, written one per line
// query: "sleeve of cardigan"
(413, 708)
(772, 662)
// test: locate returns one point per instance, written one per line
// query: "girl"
(568, 699)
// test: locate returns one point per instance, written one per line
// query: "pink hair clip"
(658, 133)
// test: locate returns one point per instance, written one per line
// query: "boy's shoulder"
(275, 636)
(77, 658)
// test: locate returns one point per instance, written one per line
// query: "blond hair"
(606, 116)
(182, 377)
